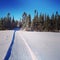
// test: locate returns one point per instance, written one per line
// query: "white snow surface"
(30, 45)
(5, 41)
(36, 46)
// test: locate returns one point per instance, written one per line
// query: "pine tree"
(35, 20)
(24, 17)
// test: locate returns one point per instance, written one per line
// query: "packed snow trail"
(30, 50)
(21, 49)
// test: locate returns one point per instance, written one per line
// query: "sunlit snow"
(30, 45)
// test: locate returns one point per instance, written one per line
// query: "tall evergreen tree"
(24, 17)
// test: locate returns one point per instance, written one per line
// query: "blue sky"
(17, 7)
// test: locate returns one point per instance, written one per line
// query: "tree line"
(42, 22)
(8, 23)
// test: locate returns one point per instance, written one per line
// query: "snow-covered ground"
(31, 45)
(5, 41)
(45, 45)
(36, 46)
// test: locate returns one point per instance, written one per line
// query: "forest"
(40, 22)
(8, 23)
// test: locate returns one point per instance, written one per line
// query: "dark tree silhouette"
(42, 22)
